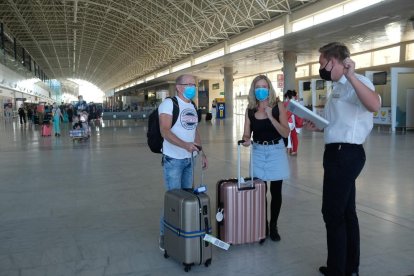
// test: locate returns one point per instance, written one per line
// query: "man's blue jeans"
(178, 174)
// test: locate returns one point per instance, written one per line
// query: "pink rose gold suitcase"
(242, 206)
(46, 130)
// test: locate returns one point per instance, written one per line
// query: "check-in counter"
(126, 115)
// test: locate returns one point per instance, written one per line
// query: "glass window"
(277, 33)
(355, 5)
(266, 36)
(315, 69)
(332, 13)
(302, 24)
(209, 56)
(328, 15)
(409, 52)
(386, 56)
(302, 71)
(272, 77)
(163, 73)
(181, 66)
(362, 60)
(151, 77)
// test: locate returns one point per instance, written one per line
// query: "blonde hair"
(253, 102)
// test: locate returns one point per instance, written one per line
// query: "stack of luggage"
(241, 217)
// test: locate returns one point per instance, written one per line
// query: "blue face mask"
(261, 93)
(189, 92)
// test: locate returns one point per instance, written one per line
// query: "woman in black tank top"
(266, 124)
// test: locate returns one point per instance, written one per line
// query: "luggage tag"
(219, 215)
(201, 189)
(214, 241)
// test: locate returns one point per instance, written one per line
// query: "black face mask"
(325, 74)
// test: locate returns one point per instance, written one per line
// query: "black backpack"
(154, 137)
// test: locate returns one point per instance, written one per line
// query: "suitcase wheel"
(187, 268)
(207, 263)
(166, 255)
(262, 241)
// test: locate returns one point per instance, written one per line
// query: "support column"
(289, 69)
(287, 24)
(2, 47)
(228, 91)
(171, 90)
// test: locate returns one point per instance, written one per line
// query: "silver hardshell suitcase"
(186, 221)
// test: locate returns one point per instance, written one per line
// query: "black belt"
(338, 146)
(271, 142)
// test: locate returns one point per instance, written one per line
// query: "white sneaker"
(161, 243)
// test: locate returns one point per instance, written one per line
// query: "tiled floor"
(93, 208)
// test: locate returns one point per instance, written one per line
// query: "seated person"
(77, 125)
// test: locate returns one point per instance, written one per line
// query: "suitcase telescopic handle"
(239, 143)
(200, 149)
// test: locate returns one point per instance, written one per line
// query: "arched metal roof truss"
(111, 42)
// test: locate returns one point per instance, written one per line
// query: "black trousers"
(342, 164)
(22, 118)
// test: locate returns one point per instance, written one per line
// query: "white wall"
(215, 93)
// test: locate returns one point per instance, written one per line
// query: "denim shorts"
(177, 173)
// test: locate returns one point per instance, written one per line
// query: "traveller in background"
(295, 124)
(22, 114)
(41, 113)
(30, 114)
(213, 109)
(8, 111)
(266, 119)
(62, 110)
(65, 114)
(48, 114)
(180, 139)
(349, 111)
(70, 113)
(57, 116)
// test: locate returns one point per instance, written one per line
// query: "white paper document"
(303, 112)
(216, 242)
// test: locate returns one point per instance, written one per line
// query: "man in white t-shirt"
(180, 139)
(349, 112)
